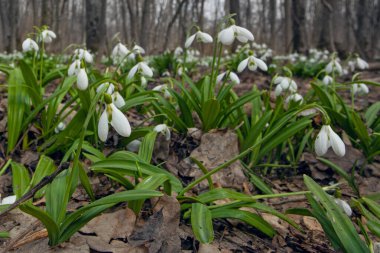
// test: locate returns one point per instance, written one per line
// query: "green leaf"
(342, 225)
(210, 113)
(259, 183)
(245, 216)
(147, 146)
(371, 115)
(20, 179)
(201, 223)
(55, 198)
(44, 168)
(374, 227)
(373, 206)
(85, 181)
(34, 91)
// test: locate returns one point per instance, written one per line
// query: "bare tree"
(95, 25)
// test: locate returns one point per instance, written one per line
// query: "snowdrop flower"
(327, 80)
(8, 200)
(82, 79)
(139, 50)
(230, 75)
(332, 66)
(284, 84)
(109, 90)
(351, 65)
(74, 68)
(252, 63)
(48, 36)
(29, 45)
(360, 89)
(308, 112)
(164, 129)
(134, 146)
(344, 205)
(141, 66)
(119, 52)
(117, 99)
(200, 36)
(143, 82)
(83, 54)
(294, 97)
(328, 138)
(60, 127)
(163, 88)
(362, 64)
(228, 35)
(117, 119)
(178, 51)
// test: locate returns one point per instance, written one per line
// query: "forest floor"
(159, 227)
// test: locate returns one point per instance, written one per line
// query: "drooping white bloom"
(119, 52)
(118, 100)
(328, 138)
(252, 63)
(327, 80)
(8, 200)
(134, 146)
(344, 205)
(141, 66)
(143, 82)
(308, 112)
(294, 97)
(284, 84)
(163, 88)
(178, 51)
(139, 50)
(199, 36)
(48, 36)
(362, 64)
(29, 45)
(164, 129)
(360, 89)
(74, 68)
(83, 54)
(118, 120)
(82, 79)
(334, 66)
(228, 35)
(60, 127)
(109, 90)
(230, 75)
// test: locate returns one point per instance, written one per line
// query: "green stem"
(5, 167)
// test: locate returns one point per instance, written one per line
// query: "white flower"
(83, 54)
(48, 36)
(143, 82)
(117, 119)
(360, 89)
(118, 100)
(252, 63)
(344, 205)
(163, 88)
(334, 65)
(134, 146)
(231, 75)
(82, 79)
(74, 68)
(327, 80)
(294, 97)
(228, 35)
(308, 112)
(29, 45)
(109, 90)
(60, 127)
(141, 66)
(164, 129)
(119, 52)
(139, 50)
(8, 200)
(200, 36)
(284, 84)
(328, 138)
(362, 64)
(178, 51)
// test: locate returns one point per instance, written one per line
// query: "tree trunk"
(299, 26)
(95, 23)
(288, 25)
(272, 21)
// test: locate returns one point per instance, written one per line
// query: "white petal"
(120, 122)
(74, 68)
(242, 65)
(118, 100)
(88, 57)
(278, 79)
(364, 88)
(336, 143)
(103, 126)
(322, 142)
(285, 83)
(160, 128)
(234, 78)
(26, 45)
(205, 37)
(243, 32)
(34, 45)
(9, 200)
(146, 70)
(167, 134)
(190, 40)
(329, 67)
(344, 205)
(261, 64)
(278, 90)
(82, 79)
(133, 71)
(134, 146)
(220, 77)
(355, 88)
(227, 36)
